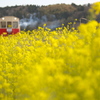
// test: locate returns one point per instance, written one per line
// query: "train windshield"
(3, 24)
(9, 24)
(15, 24)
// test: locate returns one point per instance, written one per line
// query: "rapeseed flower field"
(51, 65)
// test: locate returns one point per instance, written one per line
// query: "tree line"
(65, 13)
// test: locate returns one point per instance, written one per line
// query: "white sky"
(4, 3)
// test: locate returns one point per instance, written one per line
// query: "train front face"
(9, 25)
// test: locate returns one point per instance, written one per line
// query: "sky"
(4, 3)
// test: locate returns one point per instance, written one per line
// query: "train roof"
(9, 18)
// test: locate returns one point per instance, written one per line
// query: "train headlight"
(15, 18)
(3, 18)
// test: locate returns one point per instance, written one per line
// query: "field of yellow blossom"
(51, 65)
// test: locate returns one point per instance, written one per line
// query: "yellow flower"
(4, 33)
(96, 7)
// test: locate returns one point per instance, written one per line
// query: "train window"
(15, 24)
(9, 24)
(3, 24)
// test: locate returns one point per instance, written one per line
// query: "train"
(9, 25)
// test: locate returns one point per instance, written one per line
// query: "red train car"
(9, 25)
